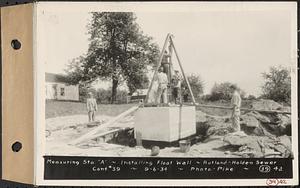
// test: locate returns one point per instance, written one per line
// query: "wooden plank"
(111, 131)
(91, 134)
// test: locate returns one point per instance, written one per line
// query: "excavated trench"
(264, 135)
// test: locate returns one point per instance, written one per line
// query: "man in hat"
(91, 105)
(236, 105)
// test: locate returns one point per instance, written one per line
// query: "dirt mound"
(264, 134)
(265, 104)
(208, 125)
(252, 123)
(255, 146)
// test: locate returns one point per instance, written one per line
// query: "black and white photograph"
(181, 80)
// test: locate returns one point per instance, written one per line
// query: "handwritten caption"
(276, 182)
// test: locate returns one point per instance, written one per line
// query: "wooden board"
(17, 93)
(92, 133)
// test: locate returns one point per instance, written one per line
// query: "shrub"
(277, 85)
(223, 91)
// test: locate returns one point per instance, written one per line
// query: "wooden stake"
(185, 78)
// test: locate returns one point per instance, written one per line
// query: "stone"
(259, 117)
(154, 151)
(249, 145)
(92, 124)
(286, 141)
(284, 124)
(218, 126)
(236, 140)
(200, 116)
(285, 108)
(221, 131)
(249, 121)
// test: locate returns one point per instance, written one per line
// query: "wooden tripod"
(171, 42)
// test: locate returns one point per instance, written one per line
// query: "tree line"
(120, 52)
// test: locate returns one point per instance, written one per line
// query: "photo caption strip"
(67, 168)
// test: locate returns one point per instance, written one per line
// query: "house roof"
(51, 77)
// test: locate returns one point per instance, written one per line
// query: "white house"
(57, 88)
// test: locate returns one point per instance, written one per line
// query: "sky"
(221, 46)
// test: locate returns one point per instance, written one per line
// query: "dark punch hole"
(16, 147)
(15, 44)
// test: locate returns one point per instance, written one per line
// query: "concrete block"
(166, 124)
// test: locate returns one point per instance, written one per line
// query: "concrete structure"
(57, 88)
(165, 124)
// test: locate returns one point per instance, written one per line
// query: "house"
(58, 88)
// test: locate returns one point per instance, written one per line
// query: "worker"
(91, 105)
(162, 91)
(165, 63)
(185, 94)
(236, 105)
(176, 82)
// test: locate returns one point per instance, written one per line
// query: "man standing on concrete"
(176, 87)
(91, 105)
(236, 104)
(185, 94)
(162, 91)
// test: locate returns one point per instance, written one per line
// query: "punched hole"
(16, 147)
(15, 44)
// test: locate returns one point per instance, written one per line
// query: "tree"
(277, 84)
(84, 89)
(118, 51)
(196, 83)
(223, 91)
(251, 97)
(103, 96)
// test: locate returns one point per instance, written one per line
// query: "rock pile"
(260, 147)
(266, 134)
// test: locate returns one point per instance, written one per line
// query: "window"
(62, 91)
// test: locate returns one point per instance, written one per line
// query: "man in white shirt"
(236, 105)
(91, 105)
(176, 87)
(162, 91)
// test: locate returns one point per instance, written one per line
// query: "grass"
(67, 108)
